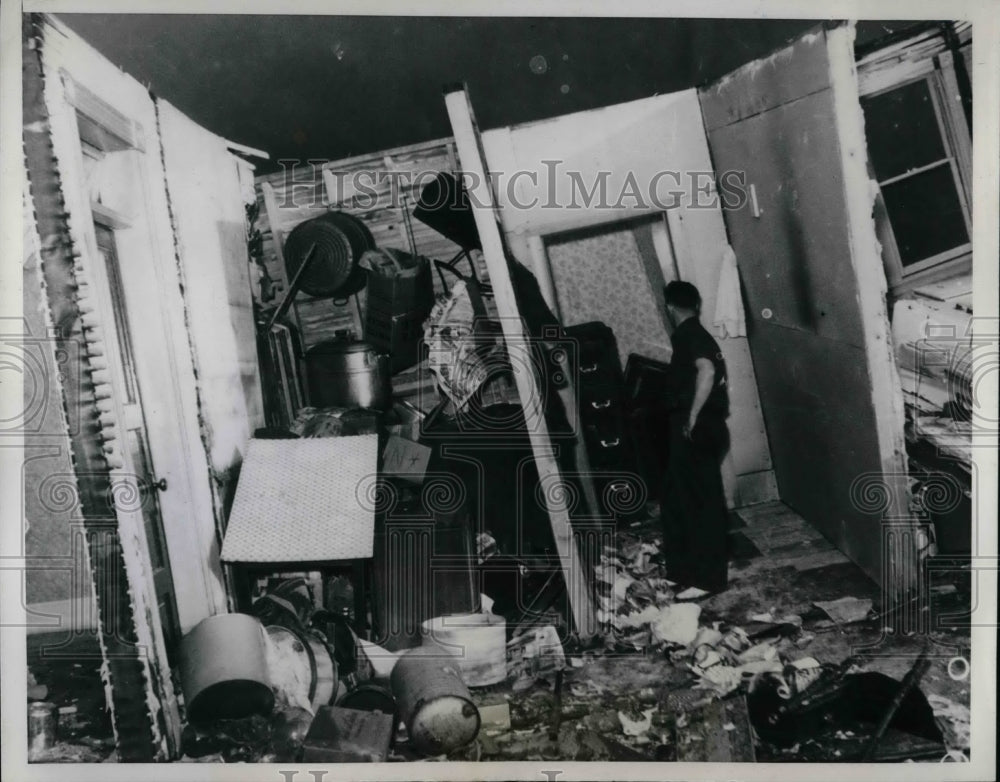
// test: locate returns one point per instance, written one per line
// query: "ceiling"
(327, 87)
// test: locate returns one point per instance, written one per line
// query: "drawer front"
(600, 404)
(594, 373)
(606, 446)
(604, 420)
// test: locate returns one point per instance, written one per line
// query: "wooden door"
(814, 289)
(144, 485)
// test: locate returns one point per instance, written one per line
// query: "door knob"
(160, 484)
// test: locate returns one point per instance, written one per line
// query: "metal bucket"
(479, 641)
(223, 669)
(433, 700)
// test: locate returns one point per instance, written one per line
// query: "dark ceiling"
(327, 87)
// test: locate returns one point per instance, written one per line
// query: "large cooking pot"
(348, 373)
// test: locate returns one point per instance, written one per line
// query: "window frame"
(936, 67)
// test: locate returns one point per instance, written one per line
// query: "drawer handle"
(601, 405)
(610, 443)
(588, 369)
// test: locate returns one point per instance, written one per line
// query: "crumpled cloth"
(730, 317)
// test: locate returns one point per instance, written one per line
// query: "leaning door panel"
(814, 340)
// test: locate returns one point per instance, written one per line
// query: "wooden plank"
(274, 220)
(469, 146)
(779, 524)
(786, 539)
(819, 559)
(753, 514)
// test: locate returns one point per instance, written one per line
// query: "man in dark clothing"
(693, 503)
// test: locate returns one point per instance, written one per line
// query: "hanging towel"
(730, 319)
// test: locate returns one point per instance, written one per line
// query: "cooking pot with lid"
(348, 373)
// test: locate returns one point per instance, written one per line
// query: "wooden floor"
(784, 539)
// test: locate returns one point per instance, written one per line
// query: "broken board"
(469, 146)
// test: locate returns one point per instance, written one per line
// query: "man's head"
(682, 301)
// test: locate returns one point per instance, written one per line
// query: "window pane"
(926, 214)
(902, 130)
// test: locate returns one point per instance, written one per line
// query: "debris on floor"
(36, 691)
(953, 719)
(717, 732)
(636, 727)
(759, 672)
(348, 736)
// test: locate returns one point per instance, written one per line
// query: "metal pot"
(348, 373)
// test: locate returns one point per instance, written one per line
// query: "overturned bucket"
(479, 641)
(223, 669)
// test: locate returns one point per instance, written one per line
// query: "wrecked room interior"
(476, 406)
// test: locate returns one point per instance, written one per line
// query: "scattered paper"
(707, 636)
(649, 614)
(692, 593)
(632, 727)
(762, 651)
(621, 587)
(677, 623)
(723, 679)
(846, 610)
